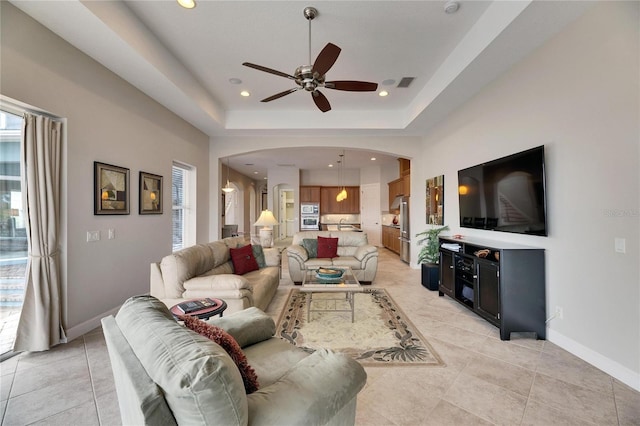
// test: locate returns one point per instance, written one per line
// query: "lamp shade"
(266, 219)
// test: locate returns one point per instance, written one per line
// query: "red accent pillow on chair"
(327, 247)
(243, 260)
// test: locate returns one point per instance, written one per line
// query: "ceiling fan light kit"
(312, 77)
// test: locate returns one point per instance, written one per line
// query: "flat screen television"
(507, 194)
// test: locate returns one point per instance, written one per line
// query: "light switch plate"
(112, 233)
(621, 245)
(93, 236)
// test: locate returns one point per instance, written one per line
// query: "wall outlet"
(93, 236)
(559, 313)
(112, 233)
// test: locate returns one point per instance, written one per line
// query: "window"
(183, 202)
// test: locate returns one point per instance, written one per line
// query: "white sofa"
(206, 270)
(354, 251)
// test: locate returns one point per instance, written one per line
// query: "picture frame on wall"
(110, 189)
(150, 194)
(434, 200)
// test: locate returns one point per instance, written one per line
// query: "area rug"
(381, 335)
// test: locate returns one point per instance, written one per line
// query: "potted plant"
(429, 256)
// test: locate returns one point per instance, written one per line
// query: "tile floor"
(485, 382)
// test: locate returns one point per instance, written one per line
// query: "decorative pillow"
(258, 253)
(311, 245)
(243, 260)
(229, 344)
(327, 247)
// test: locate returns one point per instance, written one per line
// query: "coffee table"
(347, 284)
(205, 313)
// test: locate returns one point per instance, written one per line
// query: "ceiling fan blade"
(326, 59)
(269, 70)
(352, 86)
(279, 95)
(321, 101)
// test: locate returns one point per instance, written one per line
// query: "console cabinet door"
(447, 274)
(487, 276)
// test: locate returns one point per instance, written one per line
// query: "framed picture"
(435, 200)
(150, 194)
(110, 189)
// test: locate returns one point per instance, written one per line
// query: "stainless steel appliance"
(309, 216)
(405, 235)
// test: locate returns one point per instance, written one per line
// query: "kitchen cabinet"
(396, 188)
(406, 185)
(391, 238)
(405, 166)
(329, 205)
(310, 194)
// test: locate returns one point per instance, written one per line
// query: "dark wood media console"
(502, 282)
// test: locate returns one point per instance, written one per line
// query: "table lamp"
(266, 220)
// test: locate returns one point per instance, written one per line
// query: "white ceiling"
(185, 58)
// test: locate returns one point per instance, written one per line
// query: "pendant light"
(342, 195)
(227, 189)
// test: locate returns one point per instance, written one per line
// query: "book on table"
(196, 305)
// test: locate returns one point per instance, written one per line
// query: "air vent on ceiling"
(406, 81)
(286, 165)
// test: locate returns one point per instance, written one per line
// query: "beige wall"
(579, 96)
(109, 121)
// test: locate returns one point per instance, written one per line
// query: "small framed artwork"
(150, 194)
(435, 200)
(110, 189)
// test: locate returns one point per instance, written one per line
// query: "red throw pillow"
(229, 344)
(243, 260)
(327, 247)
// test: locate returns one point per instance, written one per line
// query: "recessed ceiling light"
(330, 165)
(187, 4)
(245, 93)
(451, 7)
(255, 173)
(373, 158)
(389, 82)
(383, 93)
(235, 80)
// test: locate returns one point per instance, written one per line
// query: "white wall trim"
(90, 324)
(612, 368)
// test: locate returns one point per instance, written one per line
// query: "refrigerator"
(405, 235)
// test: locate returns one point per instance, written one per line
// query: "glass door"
(13, 236)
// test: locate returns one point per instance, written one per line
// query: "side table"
(205, 313)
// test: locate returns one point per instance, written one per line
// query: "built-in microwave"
(309, 208)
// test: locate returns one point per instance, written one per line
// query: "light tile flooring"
(486, 381)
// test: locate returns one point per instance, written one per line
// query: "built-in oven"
(308, 222)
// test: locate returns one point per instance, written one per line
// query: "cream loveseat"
(206, 270)
(167, 374)
(354, 251)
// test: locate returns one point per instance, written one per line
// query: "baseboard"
(612, 368)
(90, 324)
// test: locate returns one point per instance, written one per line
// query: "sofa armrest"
(310, 393)
(298, 252)
(248, 326)
(217, 282)
(363, 251)
(157, 283)
(271, 256)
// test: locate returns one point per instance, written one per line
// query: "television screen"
(507, 194)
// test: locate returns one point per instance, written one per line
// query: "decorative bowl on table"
(329, 275)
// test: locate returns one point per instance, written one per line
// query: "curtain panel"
(41, 322)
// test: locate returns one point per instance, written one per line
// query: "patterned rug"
(381, 334)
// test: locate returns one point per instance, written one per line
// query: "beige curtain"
(41, 323)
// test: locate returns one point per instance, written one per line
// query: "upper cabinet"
(310, 194)
(402, 185)
(329, 204)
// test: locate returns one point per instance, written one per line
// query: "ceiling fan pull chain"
(310, 63)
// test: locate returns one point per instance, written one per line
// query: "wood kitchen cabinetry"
(329, 205)
(396, 188)
(310, 194)
(391, 238)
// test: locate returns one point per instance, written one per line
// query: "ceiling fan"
(311, 77)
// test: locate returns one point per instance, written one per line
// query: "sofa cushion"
(248, 327)
(327, 247)
(258, 253)
(243, 260)
(229, 344)
(311, 245)
(198, 378)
